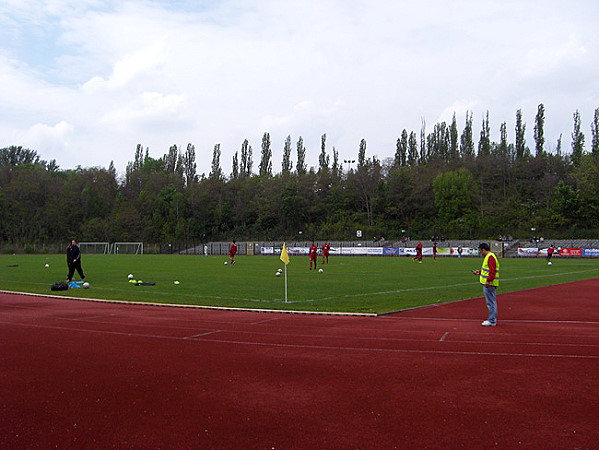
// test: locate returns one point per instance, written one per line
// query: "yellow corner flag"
(284, 255)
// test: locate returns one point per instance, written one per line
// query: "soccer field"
(372, 285)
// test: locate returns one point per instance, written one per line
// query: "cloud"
(162, 72)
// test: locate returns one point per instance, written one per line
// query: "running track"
(78, 374)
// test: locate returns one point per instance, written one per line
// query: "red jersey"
(434, 248)
(325, 249)
(233, 249)
(313, 251)
(419, 248)
(550, 251)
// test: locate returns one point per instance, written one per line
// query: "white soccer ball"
(277, 274)
(86, 285)
(46, 265)
(549, 263)
(226, 263)
(320, 270)
(130, 276)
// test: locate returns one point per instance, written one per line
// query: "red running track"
(88, 375)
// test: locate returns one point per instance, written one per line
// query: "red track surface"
(97, 375)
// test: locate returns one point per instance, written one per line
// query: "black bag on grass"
(59, 286)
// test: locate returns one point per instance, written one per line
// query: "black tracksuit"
(74, 262)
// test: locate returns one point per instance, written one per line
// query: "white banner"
(528, 251)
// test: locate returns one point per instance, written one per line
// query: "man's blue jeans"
(491, 299)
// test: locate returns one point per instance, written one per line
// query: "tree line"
(437, 183)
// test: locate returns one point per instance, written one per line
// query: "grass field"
(348, 284)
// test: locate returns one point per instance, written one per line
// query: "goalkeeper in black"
(74, 261)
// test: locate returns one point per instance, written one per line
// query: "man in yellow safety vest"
(489, 278)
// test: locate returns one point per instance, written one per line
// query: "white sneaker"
(486, 323)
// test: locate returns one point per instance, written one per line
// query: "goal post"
(127, 248)
(99, 248)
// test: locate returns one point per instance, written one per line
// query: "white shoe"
(486, 323)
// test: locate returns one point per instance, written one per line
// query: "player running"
(232, 252)
(550, 251)
(418, 256)
(313, 252)
(326, 248)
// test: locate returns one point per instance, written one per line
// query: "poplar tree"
(265, 168)
(454, 145)
(520, 140)
(287, 165)
(484, 144)
(216, 172)
(235, 172)
(466, 140)
(300, 166)
(539, 132)
(412, 150)
(595, 135)
(323, 158)
(577, 141)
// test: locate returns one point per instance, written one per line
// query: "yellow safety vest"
(484, 271)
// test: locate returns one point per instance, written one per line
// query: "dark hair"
(484, 246)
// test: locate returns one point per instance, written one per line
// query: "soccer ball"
(86, 285)
(130, 276)
(549, 263)
(47, 265)
(320, 270)
(226, 263)
(277, 274)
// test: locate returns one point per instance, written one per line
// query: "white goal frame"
(132, 248)
(100, 248)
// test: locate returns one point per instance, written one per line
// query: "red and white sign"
(570, 252)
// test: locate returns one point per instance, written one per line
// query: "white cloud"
(158, 73)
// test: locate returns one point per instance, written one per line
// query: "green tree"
(466, 140)
(520, 140)
(323, 158)
(454, 198)
(484, 144)
(216, 172)
(577, 141)
(595, 135)
(300, 165)
(539, 133)
(287, 165)
(265, 168)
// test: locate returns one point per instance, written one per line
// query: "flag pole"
(285, 283)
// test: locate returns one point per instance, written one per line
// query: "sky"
(85, 81)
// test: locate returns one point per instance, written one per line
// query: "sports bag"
(59, 286)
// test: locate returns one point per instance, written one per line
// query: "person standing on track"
(232, 252)
(489, 278)
(313, 253)
(74, 261)
(326, 248)
(418, 256)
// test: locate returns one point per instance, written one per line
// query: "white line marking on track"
(444, 336)
(311, 347)
(263, 321)
(202, 334)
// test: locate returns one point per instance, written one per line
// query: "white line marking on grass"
(429, 288)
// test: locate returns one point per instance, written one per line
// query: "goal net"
(101, 248)
(127, 248)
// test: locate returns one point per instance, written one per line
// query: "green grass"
(348, 284)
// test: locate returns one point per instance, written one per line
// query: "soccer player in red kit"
(418, 253)
(325, 252)
(312, 253)
(434, 251)
(232, 252)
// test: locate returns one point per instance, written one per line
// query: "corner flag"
(284, 255)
